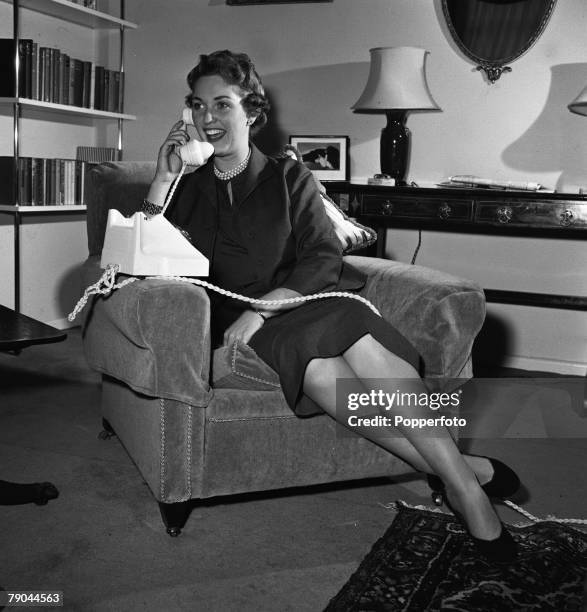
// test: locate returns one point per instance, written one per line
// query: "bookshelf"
(67, 10)
(52, 107)
(70, 12)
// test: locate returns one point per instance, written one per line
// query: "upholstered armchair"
(199, 423)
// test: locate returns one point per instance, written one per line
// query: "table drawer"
(547, 214)
(440, 209)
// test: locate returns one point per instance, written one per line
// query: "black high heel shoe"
(502, 549)
(503, 483)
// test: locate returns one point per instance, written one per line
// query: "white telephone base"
(144, 246)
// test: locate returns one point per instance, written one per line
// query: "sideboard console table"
(487, 211)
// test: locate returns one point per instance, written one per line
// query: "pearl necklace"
(230, 174)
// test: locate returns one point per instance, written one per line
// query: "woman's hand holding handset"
(177, 148)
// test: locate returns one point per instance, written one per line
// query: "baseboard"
(538, 364)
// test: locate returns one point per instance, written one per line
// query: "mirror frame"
(494, 68)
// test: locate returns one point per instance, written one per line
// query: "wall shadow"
(320, 89)
(567, 149)
(271, 137)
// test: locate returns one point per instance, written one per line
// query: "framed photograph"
(326, 156)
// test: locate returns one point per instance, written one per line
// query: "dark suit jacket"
(289, 239)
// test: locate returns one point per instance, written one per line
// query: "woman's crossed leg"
(430, 450)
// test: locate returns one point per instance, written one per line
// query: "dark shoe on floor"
(502, 549)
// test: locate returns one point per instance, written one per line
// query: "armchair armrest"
(438, 313)
(154, 335)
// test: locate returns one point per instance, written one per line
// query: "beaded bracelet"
(150, 209)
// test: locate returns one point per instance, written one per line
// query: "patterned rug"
(426, 562)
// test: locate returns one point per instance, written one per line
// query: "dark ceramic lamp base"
(395, 147)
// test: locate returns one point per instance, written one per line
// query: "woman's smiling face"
(220, 118)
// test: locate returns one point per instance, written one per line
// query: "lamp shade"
(579, 104)
(397, 81)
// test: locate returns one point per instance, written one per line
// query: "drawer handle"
(567, 218)
(504, 214)
(387, 208)
(444, 211)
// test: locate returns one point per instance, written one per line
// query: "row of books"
(49, 75)
(43, 181)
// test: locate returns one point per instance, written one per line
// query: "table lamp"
(579, 104)
(396, 85)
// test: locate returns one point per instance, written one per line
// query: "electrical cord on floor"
(417, 247)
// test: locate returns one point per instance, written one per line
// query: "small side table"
(17, 331)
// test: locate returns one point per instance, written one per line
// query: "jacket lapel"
(258, 171)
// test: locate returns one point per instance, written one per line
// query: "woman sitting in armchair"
(261, 223)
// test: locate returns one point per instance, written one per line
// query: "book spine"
(121, 92)
(44, 70)
(43, 182)
(78, 82)
(98, 87)
(55, 75)
(87, 84)
(22, 68)
(27, 47)
(34, 198)
(50, 182)
(70, 182)
(35, 72)
(60, 77)
(51, 75)
(60, 181)
(82, 198)
(64, 79)
(107, 88)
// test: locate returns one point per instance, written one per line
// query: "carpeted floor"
(102, 541)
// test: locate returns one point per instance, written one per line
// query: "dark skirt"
(324, 328)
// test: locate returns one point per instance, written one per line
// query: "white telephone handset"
(194, 152)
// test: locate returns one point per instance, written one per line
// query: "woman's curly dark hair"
(235, 69)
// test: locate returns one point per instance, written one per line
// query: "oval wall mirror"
(496, 32)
